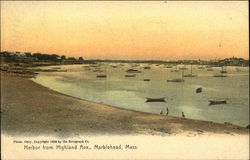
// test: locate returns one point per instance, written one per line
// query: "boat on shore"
(162, 99)
(146, 80)
(219, 101)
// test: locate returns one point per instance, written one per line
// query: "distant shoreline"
(29, 108)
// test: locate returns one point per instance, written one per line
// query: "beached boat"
(133, 71)
(219, 101)
(146, 80)
(162, 99)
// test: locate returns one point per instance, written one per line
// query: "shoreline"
(38, 110)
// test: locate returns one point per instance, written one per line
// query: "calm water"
(130, 92)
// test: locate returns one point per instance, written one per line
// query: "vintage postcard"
(124, 80)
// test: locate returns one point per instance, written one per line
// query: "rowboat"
(162, 99)
(130, 75)
(220, 101)
(220, 75)
(101, 76)
(147, 67)
(189, 75)
(175, 80)
(198, 90)
(146, 80)
(133, 71)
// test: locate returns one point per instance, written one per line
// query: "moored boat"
(219, 101)
(133, 71)
(130, 75)
(175, 80)
(162, 99)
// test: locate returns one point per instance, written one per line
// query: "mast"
(191, 69)
(182, 74)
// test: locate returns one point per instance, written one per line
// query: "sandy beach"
(28, 108)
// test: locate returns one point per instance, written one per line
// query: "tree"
(63, 57)
(28, 54)
(80, 59)
(71, 58)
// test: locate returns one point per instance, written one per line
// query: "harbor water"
(131, 92)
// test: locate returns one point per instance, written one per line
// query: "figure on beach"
(161, 112)
(183, 115)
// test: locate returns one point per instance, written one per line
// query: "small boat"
(168, 67)
(97, 71)
(183, 68)
(209, 69)
(56, 67)
(220, 75)
(220, 101)
(223, 71)
(162, 99)
(62, 70)
(130, 75)
(198, 90)
(201, 67)
(191, 72)
(133, 71)
(101, 76)
(146, 80)
(175, 70)
(189, 75)
(238, 70)
(175, 80)
(147, 67)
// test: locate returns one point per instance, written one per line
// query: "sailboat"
(191, 74)
(175, 70)
(102, 75)
(177, 79)
(222, 73)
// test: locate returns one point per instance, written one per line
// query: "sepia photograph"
(124, 80)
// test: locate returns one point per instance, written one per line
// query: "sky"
(143, 30)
